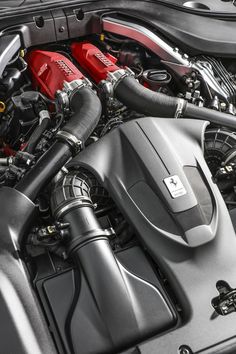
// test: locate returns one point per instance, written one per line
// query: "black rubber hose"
(142, 100)
(44, 170)
(218, 118)
(36, 135)
(86, 108)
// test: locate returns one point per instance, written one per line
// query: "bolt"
(184, 350)
(223, 106)
(185, 56)
(61, 29)
(79, 14)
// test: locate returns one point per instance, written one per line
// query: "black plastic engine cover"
(161, 173)
(79, 326)
(187, 229)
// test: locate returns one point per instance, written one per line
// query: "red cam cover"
(49, 71)
(93, 61)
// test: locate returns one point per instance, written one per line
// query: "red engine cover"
(93, 60)
(49, 71)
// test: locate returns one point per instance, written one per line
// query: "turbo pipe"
(86, 108)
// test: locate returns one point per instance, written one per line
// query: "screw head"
(61, 29)
(185, 56)
(184, 350)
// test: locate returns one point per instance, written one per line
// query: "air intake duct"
(124, 302)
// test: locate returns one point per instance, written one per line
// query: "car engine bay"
(118, 189)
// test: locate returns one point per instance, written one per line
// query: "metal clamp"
(85, 237)
(77, 203)
(116, 76)
(63, 102)
(44, 114)
(180, 107)
(69, 87)
(70, 139)
(63, 96)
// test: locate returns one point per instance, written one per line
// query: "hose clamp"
(63, 96)
(180, 108)
(77, 203)
(116, 76)
(71, 140)
(44, 114)
(86, 237)
(69, 87)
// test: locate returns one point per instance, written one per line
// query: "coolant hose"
(42, 172)
(142, 100)
(87, 111)
(86, 108)
(218, 118)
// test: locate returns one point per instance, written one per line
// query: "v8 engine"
(118, 186)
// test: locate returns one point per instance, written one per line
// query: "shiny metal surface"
(146, 37)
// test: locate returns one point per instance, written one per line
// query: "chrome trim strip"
(147, 38)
